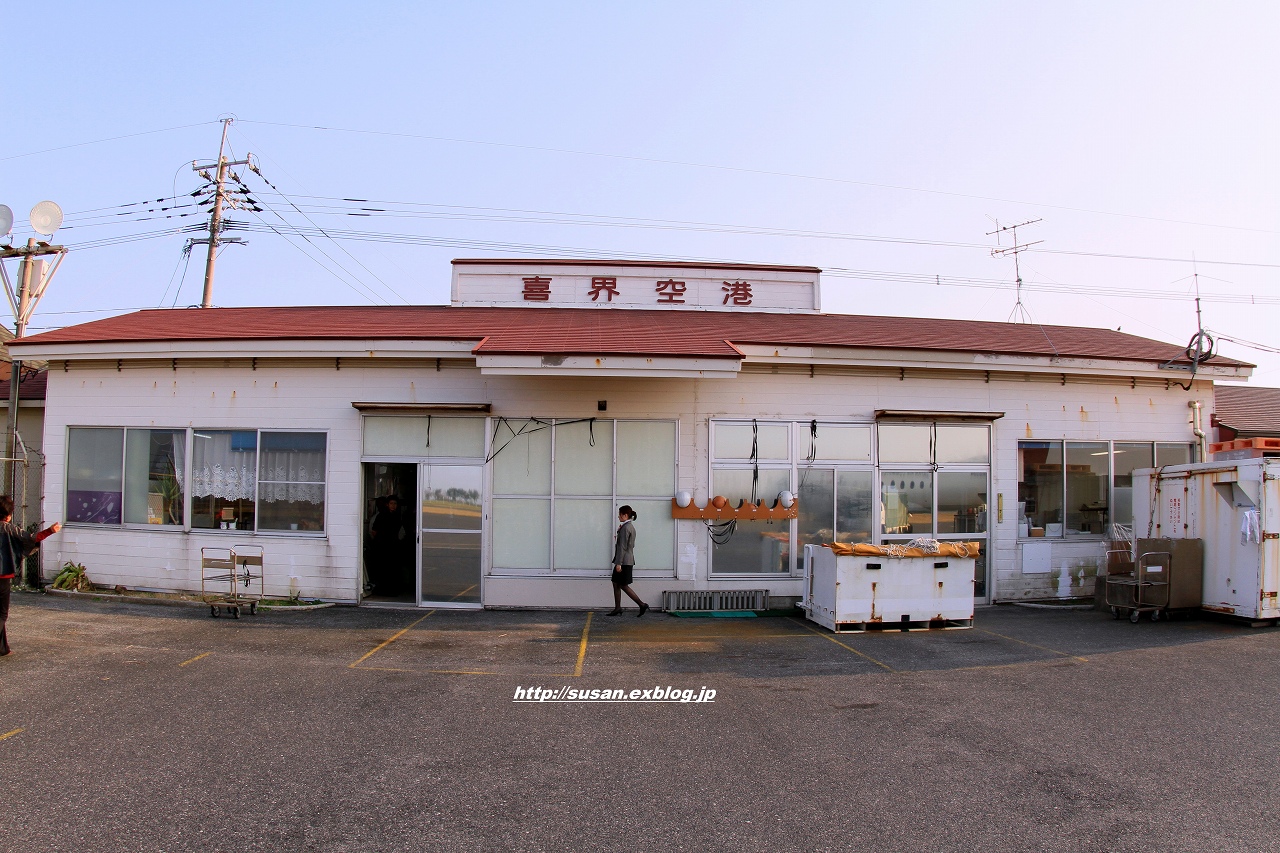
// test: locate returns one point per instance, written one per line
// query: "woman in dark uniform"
(15, 545)
(624, 560)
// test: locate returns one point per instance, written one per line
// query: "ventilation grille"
(711, 599)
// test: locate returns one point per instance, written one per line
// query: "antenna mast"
(1019, 314)
(220, 198)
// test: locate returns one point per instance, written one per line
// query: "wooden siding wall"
(317, 396)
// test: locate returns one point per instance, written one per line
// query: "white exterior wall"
(318, 396)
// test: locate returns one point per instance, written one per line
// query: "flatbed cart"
(1145, 590)
(228, 577)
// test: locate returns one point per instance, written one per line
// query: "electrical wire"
(108, 139)
(747, 170)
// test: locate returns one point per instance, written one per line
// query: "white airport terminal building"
(511, 424)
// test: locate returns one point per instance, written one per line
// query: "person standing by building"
(624, 559)
(15, 545)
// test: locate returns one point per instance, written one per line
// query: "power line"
(747, 170)
(108, 139)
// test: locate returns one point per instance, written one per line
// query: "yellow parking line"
(196, 658)
(8, 735)
(582, 645)
(1033, 645)
(397, 635)
(833, 639)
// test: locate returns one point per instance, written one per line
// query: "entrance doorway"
(451, 522)
(390, 532)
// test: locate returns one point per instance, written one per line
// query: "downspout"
(1194, 405)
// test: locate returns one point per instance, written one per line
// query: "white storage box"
(865, 593)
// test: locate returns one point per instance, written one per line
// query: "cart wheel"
(1115, 612)
(253, 609)
(235, 613)
(1134, 617)
(1155, 615)
(213, 611)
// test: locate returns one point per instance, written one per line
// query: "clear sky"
(773, 133)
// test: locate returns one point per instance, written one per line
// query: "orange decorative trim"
(744, 511)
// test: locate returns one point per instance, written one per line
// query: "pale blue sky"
(1141, 129)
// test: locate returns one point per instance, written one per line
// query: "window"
(95, 462)
(906, 503)
(1084, 488)
(424, 436)
(139, 476)
(291, 479)
(154, 473)
(224, 479)
(754, 546)
(1127, 458)
(558, 485)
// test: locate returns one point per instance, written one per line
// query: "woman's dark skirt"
(622, 578)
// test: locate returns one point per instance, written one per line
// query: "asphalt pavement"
(128, 727)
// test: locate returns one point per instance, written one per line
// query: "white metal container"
(857, 593)
(1235, 508)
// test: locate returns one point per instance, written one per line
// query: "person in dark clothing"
(624, 558)
(15, 545)
(388, 533)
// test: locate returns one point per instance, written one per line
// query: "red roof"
(1249, 411)
(31, 385)
(612, 331)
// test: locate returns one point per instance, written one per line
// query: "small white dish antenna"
(46, 218)
(6, 220)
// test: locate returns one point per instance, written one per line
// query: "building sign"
(591, 284)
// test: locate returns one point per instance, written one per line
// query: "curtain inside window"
(223, 465)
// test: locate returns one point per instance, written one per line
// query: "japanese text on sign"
(671, 292)
(537, 289)
(738, 291)
(607, 286)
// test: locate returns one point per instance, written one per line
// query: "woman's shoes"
(617, 611)
(644, 608)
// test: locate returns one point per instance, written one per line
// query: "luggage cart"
(228, 577)
(1145, 590)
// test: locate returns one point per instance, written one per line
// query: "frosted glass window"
(95, 460)
(155, 469)
(733, 441)
(522, 463)
(581, 467)
(655, 534)
(962, 444)
(735, 484)
(424, 436)
(906, 442)
(843, 443)
(584, 534)
(522, 534)
(646, 458)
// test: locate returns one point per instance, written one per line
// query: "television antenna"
(1019, 314)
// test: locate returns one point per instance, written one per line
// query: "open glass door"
(449, 574)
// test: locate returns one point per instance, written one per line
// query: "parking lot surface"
(130, 727)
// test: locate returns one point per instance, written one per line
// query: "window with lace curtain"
(250, 480)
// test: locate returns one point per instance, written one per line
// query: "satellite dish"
(6, 220)
(46, 217)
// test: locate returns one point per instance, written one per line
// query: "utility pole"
(215, 217)
(1019, 314)
(33, 281)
